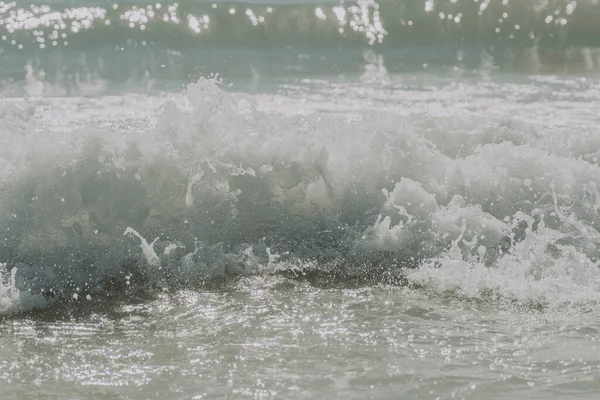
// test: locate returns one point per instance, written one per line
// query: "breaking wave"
(221, 189)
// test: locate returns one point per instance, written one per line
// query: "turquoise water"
(98, 46)
(392, 199)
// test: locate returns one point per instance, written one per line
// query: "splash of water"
(219, 189)
(9, 294)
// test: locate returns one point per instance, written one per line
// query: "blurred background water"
(96, 47)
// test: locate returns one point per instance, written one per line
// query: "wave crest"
(220, 188)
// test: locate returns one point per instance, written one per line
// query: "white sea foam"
(220, 188)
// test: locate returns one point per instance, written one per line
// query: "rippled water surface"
(274, 338)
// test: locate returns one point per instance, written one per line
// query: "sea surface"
(394, 199)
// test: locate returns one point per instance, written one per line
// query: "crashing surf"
(221, 189)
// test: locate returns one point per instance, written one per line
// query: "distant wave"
(94, 44)
(224, 190)
(388, 22)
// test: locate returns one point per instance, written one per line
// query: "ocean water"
(300, 199)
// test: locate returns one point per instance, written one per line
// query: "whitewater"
(299, 200)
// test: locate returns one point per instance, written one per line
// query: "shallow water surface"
(274, 338)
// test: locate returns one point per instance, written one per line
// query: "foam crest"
(9, 294)
(536, 271)
(219, 188)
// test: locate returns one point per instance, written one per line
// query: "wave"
(221, 189)
(396, 23)
(90, 43)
